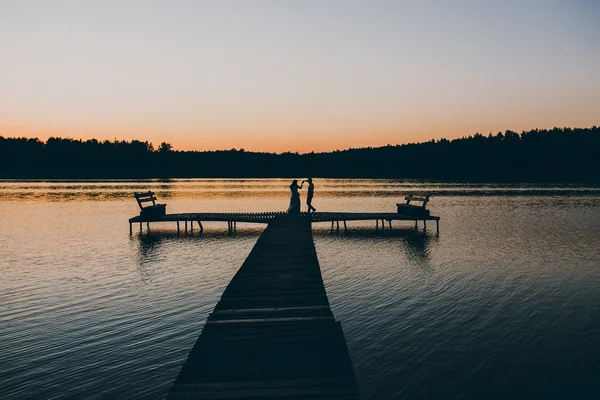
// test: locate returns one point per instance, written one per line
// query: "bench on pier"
(150, 210)
(413, 209)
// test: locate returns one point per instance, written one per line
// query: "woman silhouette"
(294, 207)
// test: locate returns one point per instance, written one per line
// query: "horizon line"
(116, 140)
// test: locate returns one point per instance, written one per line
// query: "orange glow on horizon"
(275, 77)
(297, 141)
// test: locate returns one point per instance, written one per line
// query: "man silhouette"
(309, 196)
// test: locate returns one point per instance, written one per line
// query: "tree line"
(539, 155)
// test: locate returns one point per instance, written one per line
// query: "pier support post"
(200, 225)
(338, 226)
(376, 224)
(416, 225)
(331, 224)
(425, 224)
(148, 225)
(345, 227)
(185, 226)
(178, 231)
(130, 229)
(437, 227)
(140, 226)
(390, 222)
(192, 226)
(382, 225)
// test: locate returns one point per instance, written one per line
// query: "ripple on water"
(503, 302)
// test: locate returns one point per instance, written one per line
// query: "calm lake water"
(505, 303)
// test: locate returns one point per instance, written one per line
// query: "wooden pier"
(272, 335)
(264, 218)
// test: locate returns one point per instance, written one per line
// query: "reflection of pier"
(264, 218)
(272, 335)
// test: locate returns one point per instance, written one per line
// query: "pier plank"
(263, 218)
(266, 217)
(272, 335)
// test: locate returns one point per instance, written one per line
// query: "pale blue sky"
(296, 75)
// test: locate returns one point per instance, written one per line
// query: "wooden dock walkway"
(264, 218)
(272, 335)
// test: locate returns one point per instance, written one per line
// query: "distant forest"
(539, 155)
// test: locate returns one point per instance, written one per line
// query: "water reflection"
(415, 243)
(68, 190)
(148, 243)
(155, 237)
(151, 242)
(493, 305)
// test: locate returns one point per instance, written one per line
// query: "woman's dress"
(294, 207)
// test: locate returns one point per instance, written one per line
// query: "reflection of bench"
(154, 210)
(412, 209)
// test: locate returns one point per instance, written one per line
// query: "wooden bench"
(154, 210)
(412, 209)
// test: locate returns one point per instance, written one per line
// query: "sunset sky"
(296, 75)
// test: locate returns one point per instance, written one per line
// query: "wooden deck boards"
(272, 335)
(265, 218)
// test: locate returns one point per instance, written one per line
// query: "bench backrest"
(413, 197)
(145, 197)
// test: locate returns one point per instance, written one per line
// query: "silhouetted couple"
(294, 207)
